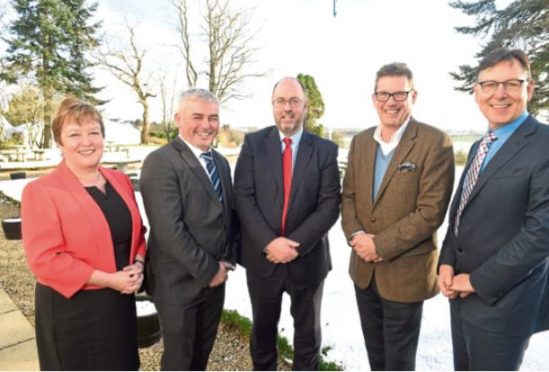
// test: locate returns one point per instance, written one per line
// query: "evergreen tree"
(523, 24)
(315, 108)
(48, 42)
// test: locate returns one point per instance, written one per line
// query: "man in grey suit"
(494, 259)
(287, 198)
(187, 192)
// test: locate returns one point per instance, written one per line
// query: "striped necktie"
(212, 172)
(472, 174)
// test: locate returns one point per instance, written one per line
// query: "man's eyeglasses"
(281, 102)
(510, 86)
(398, 96)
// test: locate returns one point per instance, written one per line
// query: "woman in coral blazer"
(84, 241)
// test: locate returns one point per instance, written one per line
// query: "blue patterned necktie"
(472, 174)
(212, 173)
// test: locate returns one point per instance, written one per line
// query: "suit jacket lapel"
(514, 144)
(304, 152)
(368, 166)
(195, 166)
(225, 178)
(274, 154)
(457, 196)
(404, 147)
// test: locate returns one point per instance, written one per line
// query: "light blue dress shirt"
(503, 133)
(382, 163)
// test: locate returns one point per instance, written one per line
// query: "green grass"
(234, 320)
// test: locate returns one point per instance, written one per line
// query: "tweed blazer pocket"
(404, 184)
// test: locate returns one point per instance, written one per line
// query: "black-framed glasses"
(398, 96)
(281, 102)
(510, 86)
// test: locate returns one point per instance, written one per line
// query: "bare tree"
(184, 35)
(230, 51)
(127, 67)
(167, 99)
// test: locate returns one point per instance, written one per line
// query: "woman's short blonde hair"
(74, 110)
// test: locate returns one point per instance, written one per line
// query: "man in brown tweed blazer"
(395, 193)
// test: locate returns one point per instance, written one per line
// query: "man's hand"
(445, 281)
(220, 277)
(364, 246)
(462, 284)
(281, 250)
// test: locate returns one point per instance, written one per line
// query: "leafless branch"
(127, 66)
(229, 60)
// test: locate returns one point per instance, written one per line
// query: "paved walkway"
(17, 345)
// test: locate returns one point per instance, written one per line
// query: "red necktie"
(287, 178)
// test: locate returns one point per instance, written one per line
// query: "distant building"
(122, 133)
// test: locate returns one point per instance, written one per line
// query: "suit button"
(459, 249)
(373, 219)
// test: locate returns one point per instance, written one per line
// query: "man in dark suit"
(494, 260)
(187, 192)
(287, 198)
(396, 191)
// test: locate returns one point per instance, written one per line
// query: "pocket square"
(406, 167)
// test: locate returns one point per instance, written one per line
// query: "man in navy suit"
(494, 261)
(287, 198)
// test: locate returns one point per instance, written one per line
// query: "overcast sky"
(342, 53)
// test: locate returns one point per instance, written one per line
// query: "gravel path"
(230, 352)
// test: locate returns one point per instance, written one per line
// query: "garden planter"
(12, 228)
(148, 327)
(18, 175)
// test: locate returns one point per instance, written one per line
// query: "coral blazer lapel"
(91, 215)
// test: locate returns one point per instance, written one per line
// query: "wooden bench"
(39, 154)
(16, 154)
(121, 164)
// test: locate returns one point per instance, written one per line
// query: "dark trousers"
(189, 331)
(266, 298)
(390, 329)
(477, 349)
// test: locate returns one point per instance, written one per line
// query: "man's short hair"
(394, 69)
(504, 54)
(198, 93)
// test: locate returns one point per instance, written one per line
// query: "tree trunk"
(146, 125)
(47, 91)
